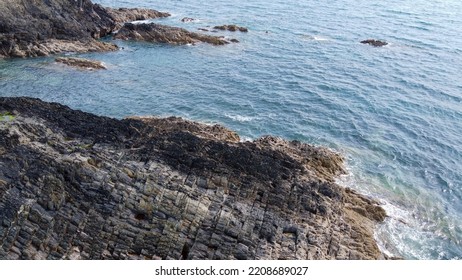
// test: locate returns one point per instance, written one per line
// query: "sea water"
(300, 72)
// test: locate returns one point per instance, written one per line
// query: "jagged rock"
(81, 62)
(375, 43)
(157, 33)
(79, 186)
(231, 27)
(28, 28)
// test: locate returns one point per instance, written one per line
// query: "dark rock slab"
(375, 43)
(157, 33)
(232, 28)
(81, 62)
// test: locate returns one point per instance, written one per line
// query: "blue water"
(394, 112)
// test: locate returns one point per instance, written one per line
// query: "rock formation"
(188, 19)
(157, 33)
(232, 28)
(38, 28)
(123, 15)
(78, 186)
(81, 63)
(375, 43)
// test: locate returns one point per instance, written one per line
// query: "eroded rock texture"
(78, 186)
(158, 33)
(81, 63)
(374, 43)
(232, 27)
(39, 28)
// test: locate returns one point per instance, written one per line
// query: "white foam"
(240, 118)
(245, 139)
(316, 38)
(142, 21)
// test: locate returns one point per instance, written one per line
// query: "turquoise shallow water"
(394, 112)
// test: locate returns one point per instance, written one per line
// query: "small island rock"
(232, 28)
(375, 43)
(81, 62)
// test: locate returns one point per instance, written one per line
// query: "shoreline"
(62, 26)
(175, 189)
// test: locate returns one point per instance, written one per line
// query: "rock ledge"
(78, 186)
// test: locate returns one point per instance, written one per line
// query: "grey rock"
(39, 28)
(375, 43)
(190, 191)
(83, 64)
(158, 33)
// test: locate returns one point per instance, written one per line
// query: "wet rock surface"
(27, 28)
(232, 28)
(158, 33)
(375, 43)
(81, 62)
(123, 15)
(78, 186)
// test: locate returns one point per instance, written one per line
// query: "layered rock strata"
(158, 33)
(38, 28)
(78, 186)
(81, 63)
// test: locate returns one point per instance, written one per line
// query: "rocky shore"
(78, 186)
(41, 28)
(157, 33)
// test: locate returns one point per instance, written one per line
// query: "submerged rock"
(375, 43)
(232, 28)
(157, 33)
(81, 62)
(78, 186)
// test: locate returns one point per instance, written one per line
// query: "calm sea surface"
(300, 73)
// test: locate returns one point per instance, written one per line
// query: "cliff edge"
(39, 28)
(78, 186)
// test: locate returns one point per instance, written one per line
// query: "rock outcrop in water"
(232, 28)
(375, 43)
(39, 28)
(158, 33)
(81, 63)
(188, 19)
(78, 186)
